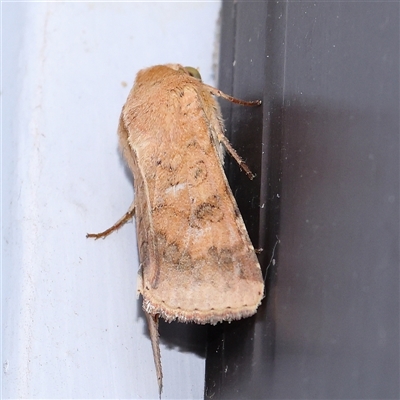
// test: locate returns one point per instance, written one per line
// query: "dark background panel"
(243, 124)
(325, 147)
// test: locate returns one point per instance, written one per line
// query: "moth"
(197, 263)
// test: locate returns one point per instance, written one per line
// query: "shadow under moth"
(197, 263)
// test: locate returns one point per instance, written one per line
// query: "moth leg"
(122, 221)
(152, 322)
(217, 92)
(222, 138)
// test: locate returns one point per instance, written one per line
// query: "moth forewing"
(197, 260)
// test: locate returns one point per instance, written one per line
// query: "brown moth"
(197, 261)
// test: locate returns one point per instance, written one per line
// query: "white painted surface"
(70, 318)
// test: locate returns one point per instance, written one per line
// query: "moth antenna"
(122, 221)
(222, 138)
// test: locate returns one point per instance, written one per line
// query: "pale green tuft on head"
(193, 72)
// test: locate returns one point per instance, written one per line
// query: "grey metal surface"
(325, 147)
